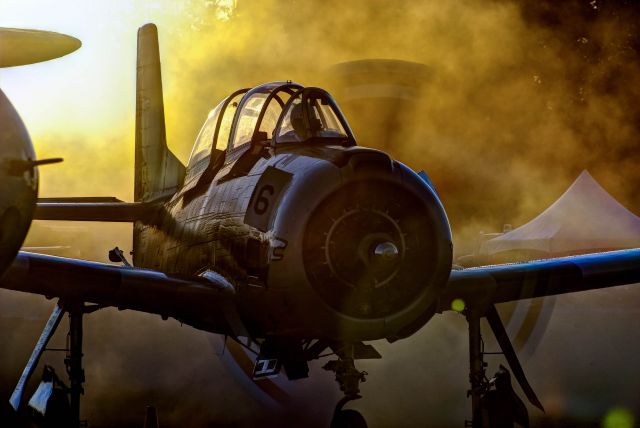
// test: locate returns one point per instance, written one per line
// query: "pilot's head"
(297, 121)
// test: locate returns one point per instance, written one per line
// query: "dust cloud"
(519, 97)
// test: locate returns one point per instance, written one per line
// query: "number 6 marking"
(262, 202)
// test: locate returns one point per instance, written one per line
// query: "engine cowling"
(372, 246)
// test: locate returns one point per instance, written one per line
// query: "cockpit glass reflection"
(248, 118)
(272, 112)
(202, 147)
(323, 121)
(314, 117)
(292, 128)
(227, 122)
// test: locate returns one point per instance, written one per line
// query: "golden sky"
(82, 106)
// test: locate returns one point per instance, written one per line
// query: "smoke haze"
(519, 97)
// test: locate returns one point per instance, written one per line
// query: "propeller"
(20, 47)
(510, 355)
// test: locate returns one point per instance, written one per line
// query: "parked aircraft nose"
(376, 246)
(18, 182)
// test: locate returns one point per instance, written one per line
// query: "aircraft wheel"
(348, 419)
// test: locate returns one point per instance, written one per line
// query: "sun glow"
(225, 9)
(82, 106)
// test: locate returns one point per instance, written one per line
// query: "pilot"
(299, 131)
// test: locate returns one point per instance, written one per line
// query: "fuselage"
(319, 239)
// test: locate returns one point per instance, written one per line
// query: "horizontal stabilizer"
(81, 199)
(93, 209)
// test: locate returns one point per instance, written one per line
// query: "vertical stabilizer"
(158, 172)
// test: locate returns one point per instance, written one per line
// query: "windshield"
(293, 128)
(270, 118)
(311, 116)
(324, 122)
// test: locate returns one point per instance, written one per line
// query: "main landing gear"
(67, 413)
(494, 403)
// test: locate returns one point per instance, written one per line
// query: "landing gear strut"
(73, 361)
(477, 376)
(69, 413)
(348, 378)
(493, 402)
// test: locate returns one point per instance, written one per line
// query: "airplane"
(282, 231)
(19, 172)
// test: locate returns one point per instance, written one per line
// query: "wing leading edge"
(486, 285)
(206, 302)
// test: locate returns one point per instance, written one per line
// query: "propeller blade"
(20, 47)
(512, 359)
(47, 332)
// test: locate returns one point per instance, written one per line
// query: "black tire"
(348, 419)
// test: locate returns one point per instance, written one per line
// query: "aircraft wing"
(205, 302)
(486, 285)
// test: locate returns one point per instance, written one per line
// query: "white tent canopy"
(585, 218)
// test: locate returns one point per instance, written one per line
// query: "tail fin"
(158, 172)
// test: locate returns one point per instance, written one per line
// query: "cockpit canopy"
(270, 114)
(311, 114)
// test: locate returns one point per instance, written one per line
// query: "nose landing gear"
(349, 378)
